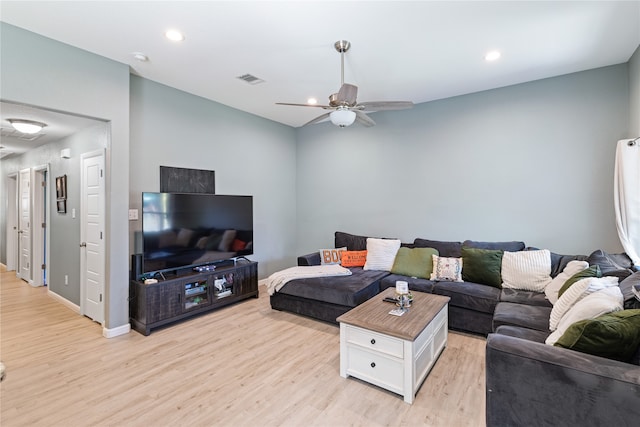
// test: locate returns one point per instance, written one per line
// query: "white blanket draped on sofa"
(627, 196)
(277, 280)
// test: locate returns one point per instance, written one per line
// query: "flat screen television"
(182, 230)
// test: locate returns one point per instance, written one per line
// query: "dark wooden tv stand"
(186, 295)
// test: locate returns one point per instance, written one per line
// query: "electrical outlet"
(66, 279)
(133, 214)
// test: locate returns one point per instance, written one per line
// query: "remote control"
(389, 299)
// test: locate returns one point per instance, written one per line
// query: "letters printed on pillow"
(331, 256)
(526, 270)
(446, 269)
(354, 258)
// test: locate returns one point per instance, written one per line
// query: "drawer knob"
(373, 364)
(373, 341)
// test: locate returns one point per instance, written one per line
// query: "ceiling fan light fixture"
(342, 117)
(26, 126)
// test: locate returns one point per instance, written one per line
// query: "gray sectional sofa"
(527, 381)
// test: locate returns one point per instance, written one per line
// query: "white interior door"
(12, 222)
(92, 235)
(24, 225)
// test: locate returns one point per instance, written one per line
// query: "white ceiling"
(408, 51)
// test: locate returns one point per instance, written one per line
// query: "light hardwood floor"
(244, 365)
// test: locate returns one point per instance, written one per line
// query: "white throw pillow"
(604, 301)
(381, 253)
(446, 269)
(526, 270)
(575, 293)
(573, 267)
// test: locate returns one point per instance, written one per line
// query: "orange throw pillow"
(354, 258)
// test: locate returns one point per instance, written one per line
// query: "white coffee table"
(393, 352)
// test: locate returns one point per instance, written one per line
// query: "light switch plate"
(133, 214)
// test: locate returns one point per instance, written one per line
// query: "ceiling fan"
(345, 108)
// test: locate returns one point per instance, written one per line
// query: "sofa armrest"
(309, 259)
(534, 384)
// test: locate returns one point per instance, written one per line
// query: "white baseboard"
(115, 332)
(63, 301)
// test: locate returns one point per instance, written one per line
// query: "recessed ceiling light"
(312, 101)
(174, 35)
(492, 55)
(140, 56)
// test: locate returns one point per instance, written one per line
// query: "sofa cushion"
(614, 335)
(482, 266)
(354, 258)
(381, 253)
(445, 249)
(524, 297)
(525, 316)
(416, 262)
(501, 246)
(342, 290)
(559, 262)
(610, 262)
(472, 296)
(526, 270)
(351, 241)
(522, 333)
(446, 269)
(415, 284)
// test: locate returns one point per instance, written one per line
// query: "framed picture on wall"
(61, 187)
(62, 206)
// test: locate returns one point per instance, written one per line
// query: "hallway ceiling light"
(26, 126)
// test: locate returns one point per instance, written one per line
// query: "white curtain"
(627, 197)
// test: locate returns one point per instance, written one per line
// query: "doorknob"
(83, 245)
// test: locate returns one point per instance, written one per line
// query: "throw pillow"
(596, 304)
(573, 267)
(381, 253)
(575, 293)
(446, 269)
(593, 271)
(630, 288)
(614, 335)
(416, 262)
(354, 258)
(526, 270)
(331, 256)
(482, 266)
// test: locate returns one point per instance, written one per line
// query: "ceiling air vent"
(251, 79)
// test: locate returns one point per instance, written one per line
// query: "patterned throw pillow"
(331, 256)
(354, 258)
(447, 269)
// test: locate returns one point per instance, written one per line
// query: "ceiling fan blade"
(364, 119)
(384, 105)
(303, 105)
(317, 119)
(347, 94)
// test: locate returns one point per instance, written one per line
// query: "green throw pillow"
(593, 271)
(615, 335)
(482, 266)
(416, 262)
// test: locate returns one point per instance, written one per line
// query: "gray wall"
(45, 73)
(250, 156)
(64, 258)
(530, 162)
(634, 91)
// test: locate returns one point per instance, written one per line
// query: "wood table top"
(374, 314)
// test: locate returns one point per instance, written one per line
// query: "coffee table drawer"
(375, 341)
(376, 369)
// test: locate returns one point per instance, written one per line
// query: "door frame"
(29, 279)
(12, 222)
(40, 214)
